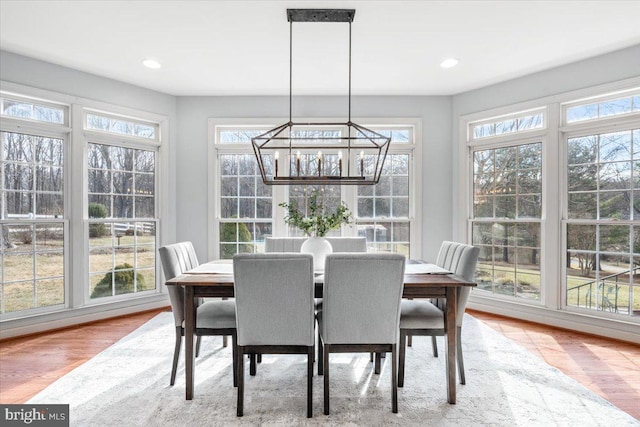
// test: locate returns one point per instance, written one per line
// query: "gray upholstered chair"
(274, 310)
(361, 309)
(421, 317)
(216, 318)
(293, 244)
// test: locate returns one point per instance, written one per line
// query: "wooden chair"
(275, 314)
(361, 309)
(217, 318)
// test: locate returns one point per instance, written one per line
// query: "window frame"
(553, 237)
(280, 192)
(44, 129)
(75, 216)
(92, 136)
(514, 139)
(596, 126)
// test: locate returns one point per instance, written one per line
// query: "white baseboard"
(63, 319)
(605, 327)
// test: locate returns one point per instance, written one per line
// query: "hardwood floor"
(608, 367)
(29, 364)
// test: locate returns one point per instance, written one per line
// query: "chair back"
(293, 244)
(348, 244)
(461, 260)
(361, 298)
(176, 259)
(274, 299)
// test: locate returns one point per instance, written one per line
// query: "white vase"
(319, 247)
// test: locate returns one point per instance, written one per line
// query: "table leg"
(189, 329)
(451, 329)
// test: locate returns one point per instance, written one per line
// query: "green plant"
(317, 223)
(97, 210)
(123, 280)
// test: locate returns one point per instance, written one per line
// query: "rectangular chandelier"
(320, 153)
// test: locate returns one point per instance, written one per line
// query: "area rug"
(128, 385)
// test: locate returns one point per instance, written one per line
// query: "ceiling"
(242, 47)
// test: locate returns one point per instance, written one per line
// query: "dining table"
(421, 280)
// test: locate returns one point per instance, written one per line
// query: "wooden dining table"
(198, 285)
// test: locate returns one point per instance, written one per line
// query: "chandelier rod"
(349, 72)
(290, 70)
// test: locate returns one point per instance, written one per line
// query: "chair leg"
(259, 357)
(224, 340)
(394, 380)
(403, 343)
(320, 357)
(310, 356)
(240, 404)
(234, 352)
(410, 341)
(371, 356)
(434, 344)
(252, 364)
(460, 361)
(327, 348)
(376, 368)
(198, 345)
(176, 355)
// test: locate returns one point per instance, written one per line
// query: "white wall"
(44, 75)
(191, 158)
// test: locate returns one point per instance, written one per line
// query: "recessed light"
(449, 62)
(151, 63)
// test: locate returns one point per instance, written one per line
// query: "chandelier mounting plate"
(320, 15)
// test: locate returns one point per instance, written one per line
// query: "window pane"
(583, 177)
(511, 125)
(582, 112)
(595, 110)
(121, 126)
(33, 111)
(615, 146)
(583, 205)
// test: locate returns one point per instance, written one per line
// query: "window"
(507, 201)
(32, 208)
(516, 123)
(27, 109)
(604, 107)
(246, 206)
(553, 199)
(122, 225)
(248, 210)
(602, 240)
(118, 125)
(60, 259)
(382, 213)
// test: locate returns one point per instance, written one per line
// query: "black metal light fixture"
(318, 153)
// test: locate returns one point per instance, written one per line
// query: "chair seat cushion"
(216, 315)
(420, 314)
